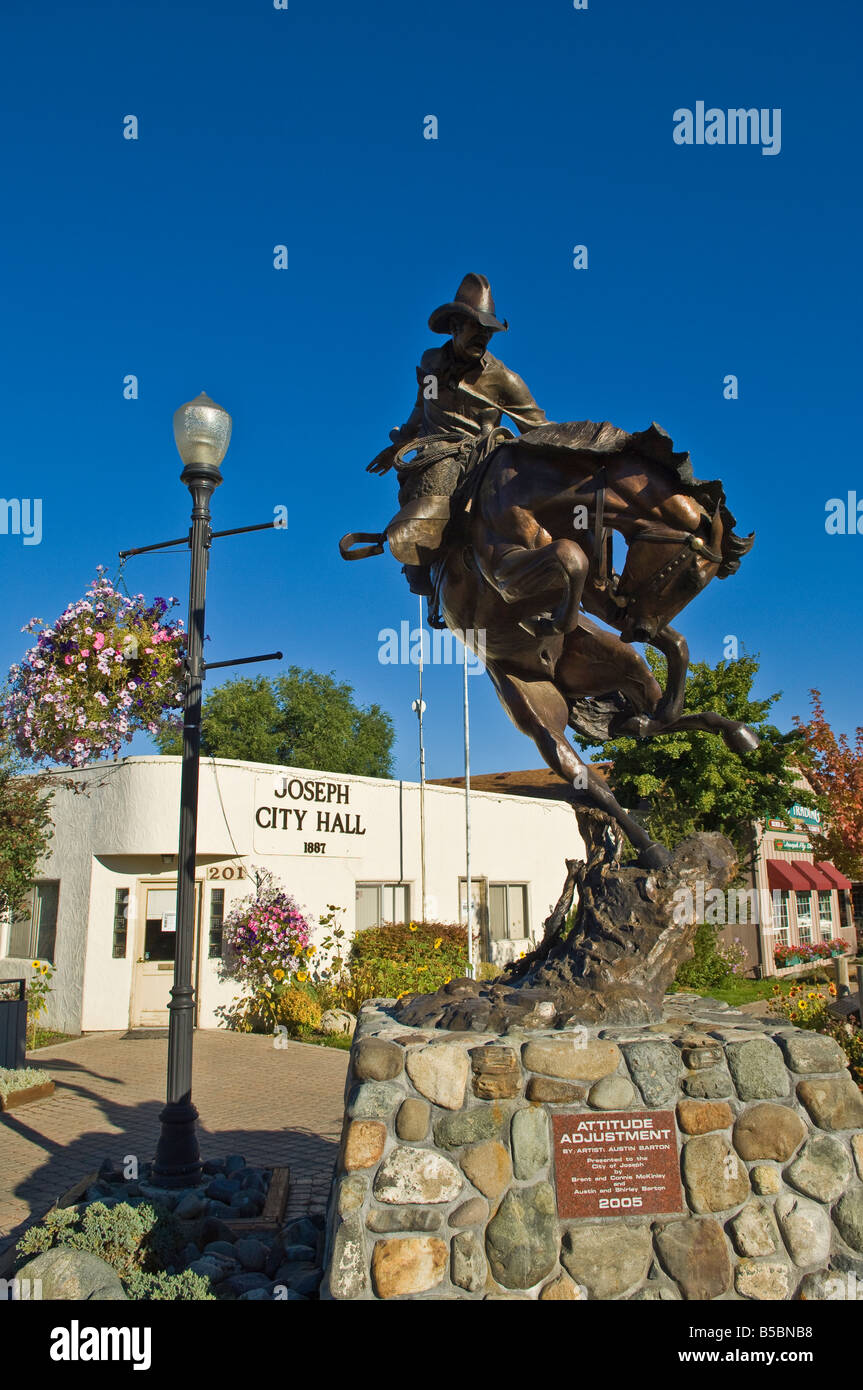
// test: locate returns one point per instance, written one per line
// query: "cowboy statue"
(463, 392)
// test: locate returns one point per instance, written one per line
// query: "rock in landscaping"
(77, 1275)
(403, 1219)
(700, 1117)
(469, 1268)
(530, 1142)
(223, 1189)
(753, 1232)
(833, 1103)
(222, 1248)
(521, 1239)
(570, 1059)
(812, 1052)
(337, 1023)
(214, 1229)
(439, 1072)
(655, 1067)
(700, 1056)
(300, 1276)
(412, 1121)
(607, 1260)
(709, 1085)
(352, 1194)
(213, 1267)
(765, 1179)
(848, 1215)
(857, 1150)
(252, 1254)
(562, 1290)
(470, 1126)
(306, 1230)
(821, 1170)
(347, 1275)
(488, 1167)
(373, 1100)
(234, 1164)
(238, 1284)
(758, 1069)
(473, 1212)
(805, 1229)
(364, 1144)
(611, 1093)
(768, 1131)
(377, 1060)
(409, 1266)
(416, 1175)
(714, 1177)
(305, 1253)
(496, 1072)
(762, 1279)
(695, 1254)
(193, 1205)
(546, 1089)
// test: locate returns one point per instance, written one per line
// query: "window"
(217, 917)
(121, 923)
(382, 902)
(804, 917)
(33, 933)
(160, 932)
(825, 914)
(781, 917)
(507, 911)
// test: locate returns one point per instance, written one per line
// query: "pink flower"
(99, 641)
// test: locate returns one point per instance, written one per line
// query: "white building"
(103, 905)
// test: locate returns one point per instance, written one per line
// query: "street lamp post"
(202, 430)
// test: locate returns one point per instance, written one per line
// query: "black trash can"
(13, 1024)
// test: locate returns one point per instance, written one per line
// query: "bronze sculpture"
(512, 537)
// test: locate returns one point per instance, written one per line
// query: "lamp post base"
(178, 1159)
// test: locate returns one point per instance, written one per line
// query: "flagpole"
(468, 893)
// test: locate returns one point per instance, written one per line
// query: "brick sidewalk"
(273, 1105)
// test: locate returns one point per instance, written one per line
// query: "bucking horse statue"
(511, 540)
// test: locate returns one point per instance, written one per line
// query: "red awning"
(830, 871)
(786, 877)
(817, 877)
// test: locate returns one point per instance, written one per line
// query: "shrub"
(713, 960)
(128, 1238)
(406, 958)
(185, 1286)
(299, 1011)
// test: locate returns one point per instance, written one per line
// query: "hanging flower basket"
(110, 667)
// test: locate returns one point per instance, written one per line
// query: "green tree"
(25, 826)
(689, 781)
(300, 719)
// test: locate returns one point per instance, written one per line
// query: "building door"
(155, 951)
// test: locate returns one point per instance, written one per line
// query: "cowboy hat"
(472, 300)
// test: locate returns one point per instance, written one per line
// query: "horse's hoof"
(741, 740)
(656, 856)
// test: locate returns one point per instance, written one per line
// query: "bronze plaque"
(616, 1163)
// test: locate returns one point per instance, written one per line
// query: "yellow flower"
(302, 975)
(412, 926)
(310, 950)
(278, 974)
(521, 955)
(812, 994)
(803, 1004)
(35, 964)
(421, 967)
(438, 943)
(447, 980)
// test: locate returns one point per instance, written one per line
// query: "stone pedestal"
(452, 1182)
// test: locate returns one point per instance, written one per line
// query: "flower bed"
(109, 667)
(24, 1085)
(806, 953)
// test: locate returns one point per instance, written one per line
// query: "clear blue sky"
(259, 126)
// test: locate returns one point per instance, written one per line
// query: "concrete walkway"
(273, 1105)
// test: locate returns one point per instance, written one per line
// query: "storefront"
(103, 906)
